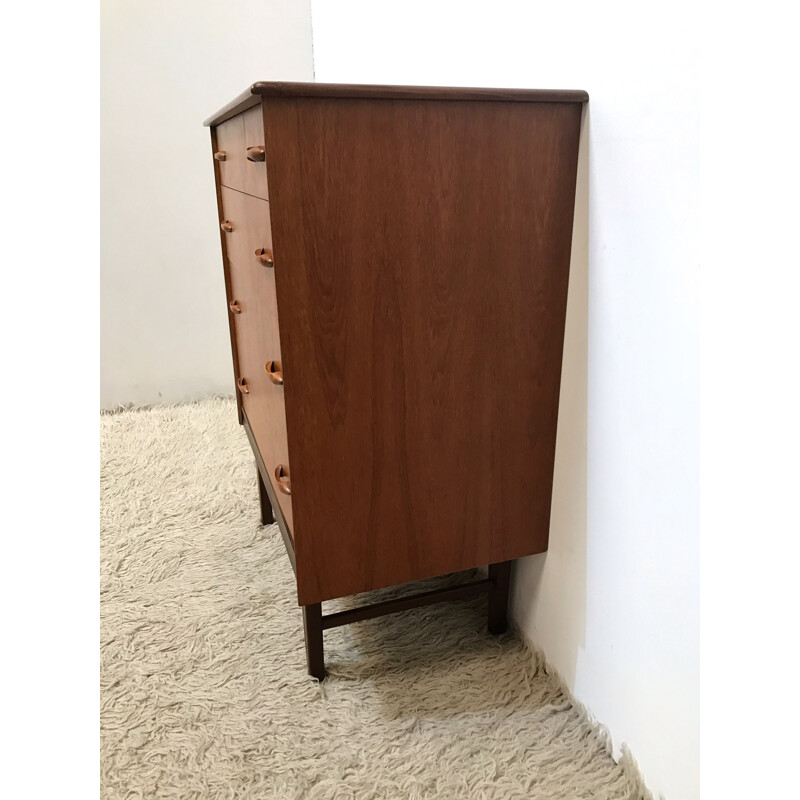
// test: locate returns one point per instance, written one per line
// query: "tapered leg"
(267, 515)
(315, 654)
(500, 575)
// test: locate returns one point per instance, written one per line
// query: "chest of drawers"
(396, 263)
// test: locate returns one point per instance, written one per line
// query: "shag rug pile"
(204, 691)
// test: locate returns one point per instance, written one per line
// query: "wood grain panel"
(421, 258)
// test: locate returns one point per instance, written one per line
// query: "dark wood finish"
(267, 484)
(500, 578)
(435, 93)
(405, 274)
(227, 274)
(312, 624)
(252, 95)
(264, 504)
(494, 587)
(463, 592)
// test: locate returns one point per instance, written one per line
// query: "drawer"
(240, 145)
(255, 316)
(246, 225)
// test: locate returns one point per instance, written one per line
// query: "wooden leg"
(500, 575)
(267, 515)
(315, 654)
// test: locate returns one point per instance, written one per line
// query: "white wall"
(614, 603)
(165, 67)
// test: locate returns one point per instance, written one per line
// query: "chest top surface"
(252, 95)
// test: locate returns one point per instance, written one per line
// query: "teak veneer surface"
(421, 265)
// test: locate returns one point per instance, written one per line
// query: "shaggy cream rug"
(204, 691)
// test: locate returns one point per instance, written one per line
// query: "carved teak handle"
(235, 306)
(221, 155)
(255, 154)
(264, 255)
(226, 226)
(274, 371)
(243, 387)
(282, 477)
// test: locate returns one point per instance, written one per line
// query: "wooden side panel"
(421, 257)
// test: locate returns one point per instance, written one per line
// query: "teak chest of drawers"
(396, 265)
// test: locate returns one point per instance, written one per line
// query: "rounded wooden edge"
(252, 95)
(378, 91)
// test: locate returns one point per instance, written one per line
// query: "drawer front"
(255, 315)
(240, 153)
(247, 230)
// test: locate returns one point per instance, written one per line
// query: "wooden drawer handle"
(227, 227)
(274, 371)
(282, 477)
(221, 155)
(243, 387)
(265, 256)
(235, 306)
(255, 154)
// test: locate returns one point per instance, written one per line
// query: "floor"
(204, 691)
